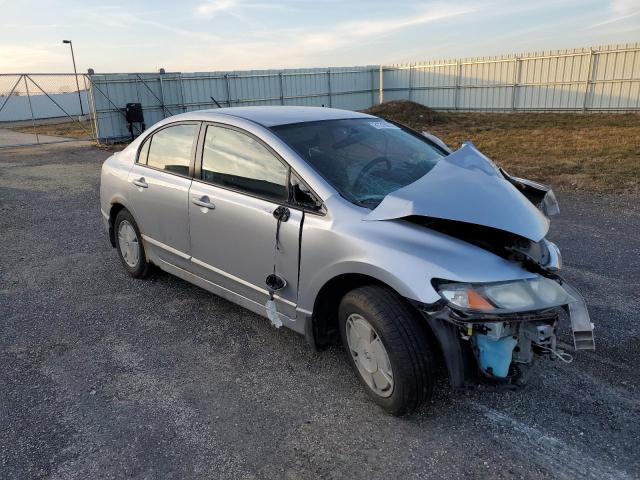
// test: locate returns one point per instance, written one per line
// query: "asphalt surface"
(104, 376)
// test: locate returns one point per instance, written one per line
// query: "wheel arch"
(322, 325)
(116, 205)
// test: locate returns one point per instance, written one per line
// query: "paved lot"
(103, 376)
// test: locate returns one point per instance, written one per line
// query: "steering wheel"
(367, 168)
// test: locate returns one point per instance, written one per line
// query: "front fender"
(330, 272)
(400, 254)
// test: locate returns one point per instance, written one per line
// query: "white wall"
(17, 107)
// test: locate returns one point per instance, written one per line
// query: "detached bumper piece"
(580, 321)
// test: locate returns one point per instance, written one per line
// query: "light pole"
(73, 58)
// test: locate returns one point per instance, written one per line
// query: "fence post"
(587, 85)
(162, 96)
(373, 87)
(91, 101)
(33, 120)
(329, 86)
(410, 80)
(381, 86)
(516, 79)
(281, 88)
(458, 79)
(226, 76)
(184, 107)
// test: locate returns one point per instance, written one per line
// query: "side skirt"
(227, 294)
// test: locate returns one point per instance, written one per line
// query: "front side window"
(364, 158)
(170, 149)
(236, 160)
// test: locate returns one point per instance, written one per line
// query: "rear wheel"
(387, 348)
(129, 245)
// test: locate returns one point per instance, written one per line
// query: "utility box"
(133, 112)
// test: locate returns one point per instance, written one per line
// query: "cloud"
(30, 58)
(115, 18)
(364, 28)
(354, 32)
(211, 8)
(621, 10)
(299, 47)
(237, 8)
(625, 7)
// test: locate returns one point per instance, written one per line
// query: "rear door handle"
(141, 183)
(203, 202)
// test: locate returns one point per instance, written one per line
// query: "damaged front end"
(490, 333)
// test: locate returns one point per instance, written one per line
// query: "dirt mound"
(406, 112)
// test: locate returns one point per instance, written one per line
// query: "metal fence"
(44, 108)
(162, 95)
(605, 78)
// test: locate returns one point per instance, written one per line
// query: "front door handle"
(203, 202)
(141, 183)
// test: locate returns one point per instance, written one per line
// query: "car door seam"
(239, 280)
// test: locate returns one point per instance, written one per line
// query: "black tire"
(141, 267)
(405, 341)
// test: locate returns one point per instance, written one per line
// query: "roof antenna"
(214, 101)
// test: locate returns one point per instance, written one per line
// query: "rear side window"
(236, 160)
(170, 149)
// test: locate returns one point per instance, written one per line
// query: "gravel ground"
(103, 376)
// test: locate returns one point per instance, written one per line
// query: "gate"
(38, 108)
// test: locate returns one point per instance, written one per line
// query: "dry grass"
(597, 152)
(64, 129)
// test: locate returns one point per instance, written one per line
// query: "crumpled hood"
(467, 187)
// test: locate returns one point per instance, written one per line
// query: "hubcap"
(370, 356)
(129, 245)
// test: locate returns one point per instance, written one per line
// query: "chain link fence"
(45, 109)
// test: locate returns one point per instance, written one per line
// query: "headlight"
(505, 297)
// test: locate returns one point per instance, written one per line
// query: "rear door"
(160, 182)
(235, 239)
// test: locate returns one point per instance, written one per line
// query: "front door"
(159, 183)
(235, 239)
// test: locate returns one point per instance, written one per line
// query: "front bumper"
(482, 349)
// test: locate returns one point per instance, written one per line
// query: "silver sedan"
(348, 228)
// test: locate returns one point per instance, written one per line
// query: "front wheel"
(387, 348)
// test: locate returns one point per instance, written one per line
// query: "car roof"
(271, 116)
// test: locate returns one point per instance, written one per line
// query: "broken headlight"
(505, 297)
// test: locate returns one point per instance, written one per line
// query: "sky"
(206, 35)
